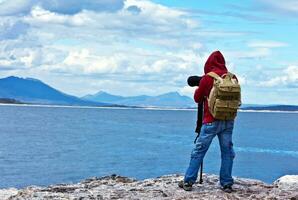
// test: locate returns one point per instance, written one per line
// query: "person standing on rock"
(219, 91)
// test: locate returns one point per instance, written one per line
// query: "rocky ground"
(165, 187)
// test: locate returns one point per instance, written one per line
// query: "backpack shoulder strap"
(214, 75)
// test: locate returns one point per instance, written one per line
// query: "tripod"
(198, 130)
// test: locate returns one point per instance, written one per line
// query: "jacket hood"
(216, 62)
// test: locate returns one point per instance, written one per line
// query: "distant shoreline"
(140, 108)
(268, 111)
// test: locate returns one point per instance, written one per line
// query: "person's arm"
(200, 91)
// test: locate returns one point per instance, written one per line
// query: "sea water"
(48, 145)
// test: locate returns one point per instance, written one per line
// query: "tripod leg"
(201, 174)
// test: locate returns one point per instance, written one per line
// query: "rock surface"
(165, 187)
(288, 182)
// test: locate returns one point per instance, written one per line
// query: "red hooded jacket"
(215, 63)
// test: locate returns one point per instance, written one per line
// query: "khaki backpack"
(225, 96)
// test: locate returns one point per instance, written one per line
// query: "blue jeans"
(223, 130)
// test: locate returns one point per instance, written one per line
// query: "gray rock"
(6, 193)
(165, 187)
(288, 182)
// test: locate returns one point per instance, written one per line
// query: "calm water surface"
(48, 145)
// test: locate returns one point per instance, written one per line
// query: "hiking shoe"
(186, 186)
(227, 188)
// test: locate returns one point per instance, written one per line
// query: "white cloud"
(40, 15)
(12, 28)
(154, 25)
(249, 54)
(266, 44)
(84, 62)
(69, 7)
(285, 6)
(288, 78)
(16, 7)
(129, 45)
(187, 91)
(88, 62)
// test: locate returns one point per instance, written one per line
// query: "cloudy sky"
(133, 47)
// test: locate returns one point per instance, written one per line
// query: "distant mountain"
(34, 91)
(251, 105)
(9, 101)
(272, 108)
(19, 90)
(104, 96)
(172, 99)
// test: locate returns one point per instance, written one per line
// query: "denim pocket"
(210, 127)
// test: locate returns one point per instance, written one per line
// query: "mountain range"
(33, 91)
(169, 100)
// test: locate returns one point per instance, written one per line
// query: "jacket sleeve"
(200, 91)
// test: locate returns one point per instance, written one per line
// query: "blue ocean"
(49, 145)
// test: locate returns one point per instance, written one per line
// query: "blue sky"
(133, 47)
